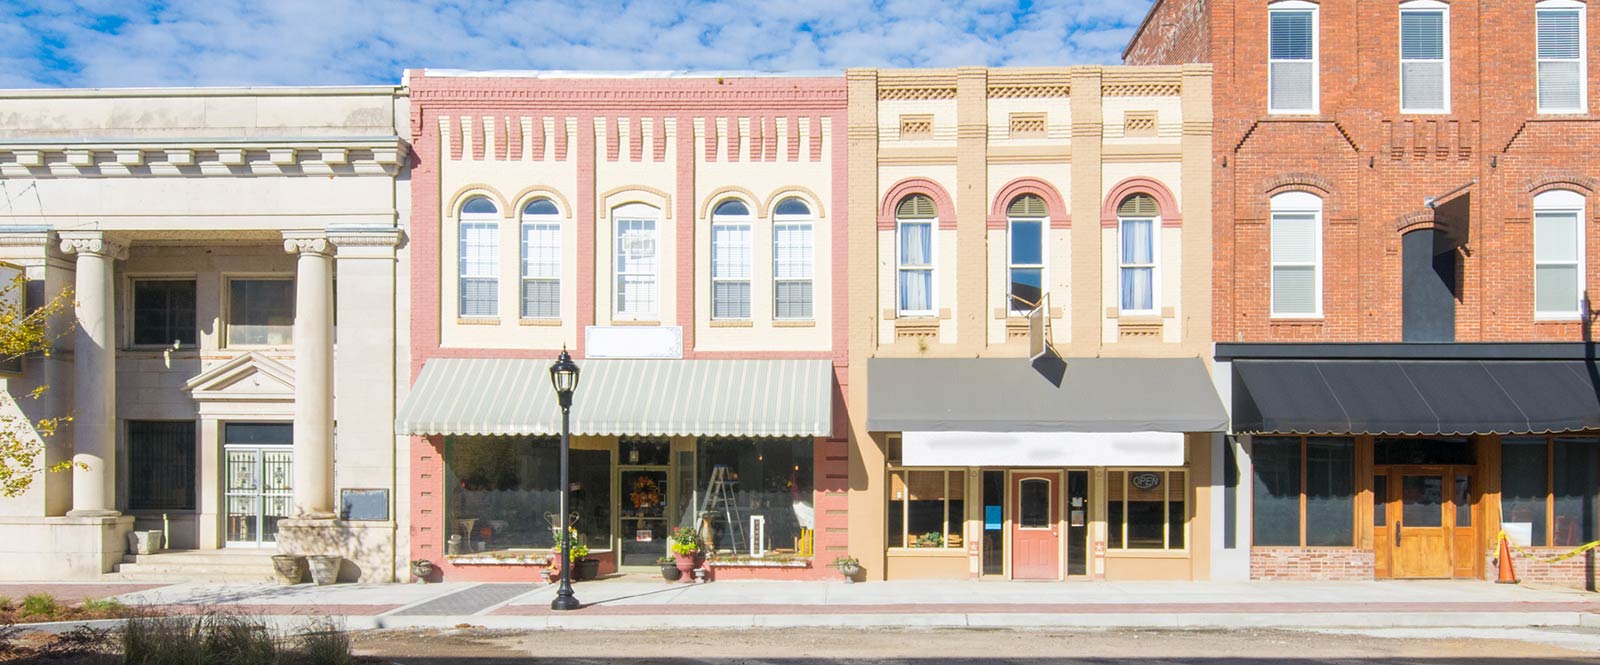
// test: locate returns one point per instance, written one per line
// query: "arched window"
(479, 254)
(730, 260)
(1558, 254)
(1139, 226)
(541, 260)
(1027, 226)
(792, 259)
(637, 262)
(915, 221)
(1563, 69)
(1296, 255)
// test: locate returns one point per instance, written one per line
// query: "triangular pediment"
(251, 376)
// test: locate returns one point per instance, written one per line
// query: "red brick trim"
(1416, 220)
(909, 186)
(1297, 182)
(1563, 180)
(1059, 218)
(1170, 214)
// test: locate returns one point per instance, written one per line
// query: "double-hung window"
(1557, 254)
(541, 260)
(1424, 57)
(1296, 254)
(637, 262)
(1028, 225)
(1138, 226)
(793, 257)
(1292, 76)
(479, 258)
(915, 222)
(1563, 72)
(730, 260)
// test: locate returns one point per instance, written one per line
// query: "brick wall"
(1311, 563)
(1175, 32)
(1577, 572)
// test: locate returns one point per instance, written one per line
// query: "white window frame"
(745, 222)
(1560, 200)
(808, 222)
(1583, 54)
(632, 214)
(464, 221)
(932, 268)
(1154, 265)
(1425, 7)
(1043, 266)
(227, 309)
(1316, 55)
(545, 222)
(1296, 203)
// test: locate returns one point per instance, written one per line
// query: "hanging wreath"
(646, 492)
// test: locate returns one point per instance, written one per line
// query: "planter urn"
(585, 569)
(670, 572)
(144, 542)
(289, 568)
(325, 568)
(850, 572)
(422, 570)
(685, 564)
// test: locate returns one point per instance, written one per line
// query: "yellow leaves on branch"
(28, 331)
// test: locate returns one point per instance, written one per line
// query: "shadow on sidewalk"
(878, 660)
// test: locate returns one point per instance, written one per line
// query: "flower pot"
(289, 568)
(670, 572)
(850, 572)
(325, 568)
(586, 569)
(144, 542)
(685, 563)
(422, 570)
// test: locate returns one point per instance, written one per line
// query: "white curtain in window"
(1294, 263)
(1138, 264)
(1560, 59)
(1292, 58)
(1555, 253)
(916, 262)
(1422, 60)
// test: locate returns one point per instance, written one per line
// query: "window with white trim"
(1424, 57)
(1292, 63)
(637, 262)
(730, 260)
(479, 255)
(793, 256)
(541, 260)
(1027, 221)
(1558, 254)
(916, 222)
(1138, 231)
(1296, 254)
(1563, 69)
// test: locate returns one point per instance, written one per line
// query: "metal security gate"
(260, 491)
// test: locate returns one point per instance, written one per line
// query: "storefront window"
(1528, 465)
(1145, 509)
(768, 477)
(1315, 472)
(1577, 472)
(1524, 484)
(926, 508)
(503, 493)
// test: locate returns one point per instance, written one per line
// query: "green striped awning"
(507, 396)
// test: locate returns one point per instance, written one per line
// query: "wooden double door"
(1426, 521)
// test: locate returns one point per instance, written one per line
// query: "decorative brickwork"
(1579, 572)
(1027, 125)
(919, 126)
(1311, 563)
(1139, 123)
(920, 93)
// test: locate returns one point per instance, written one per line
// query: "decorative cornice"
(374, 237)
(305, 156)
(307, 242)
(95, 243)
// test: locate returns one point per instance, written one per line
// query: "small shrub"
(107, 607)
(324, 642)
(239, 640)
(40, 606)
(236, 639)
(160, 640)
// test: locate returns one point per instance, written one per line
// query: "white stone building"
(212, 238)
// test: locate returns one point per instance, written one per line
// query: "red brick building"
(1404, 194)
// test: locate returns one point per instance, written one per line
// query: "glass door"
(644, 474)
(259, 486)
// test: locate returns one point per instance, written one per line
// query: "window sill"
(1147, 554)
(540, 323)
(477, 321)
(745, 562)
(939, 552)
(631, 322)
(1296, 320)
(732, 323)
(286, 348)
(1557, 318)
(794, 324)
(500, 559)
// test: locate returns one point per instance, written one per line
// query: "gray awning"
(1014, 395)
(1414, 396)
(504, 396)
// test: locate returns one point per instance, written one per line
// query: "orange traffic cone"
(1507, 574)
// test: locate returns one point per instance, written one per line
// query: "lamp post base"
(565, 602)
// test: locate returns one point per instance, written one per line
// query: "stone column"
(94, 375)
(313, 374)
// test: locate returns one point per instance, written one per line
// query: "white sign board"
(1041, 449)
(1520, 533)
(633, 342)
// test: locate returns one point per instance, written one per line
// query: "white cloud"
(106, 43)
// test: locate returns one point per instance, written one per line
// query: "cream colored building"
(211, 238)
(1075, 199)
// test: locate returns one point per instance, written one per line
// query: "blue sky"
(118, 43)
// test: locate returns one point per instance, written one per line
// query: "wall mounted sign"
(1145, 480)
(633, 342)
(364, 505)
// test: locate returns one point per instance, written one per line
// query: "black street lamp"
(564, 377)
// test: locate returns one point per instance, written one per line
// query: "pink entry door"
(1035, 526)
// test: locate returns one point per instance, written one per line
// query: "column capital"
(96, 243)
(307, 242)
(372, 241)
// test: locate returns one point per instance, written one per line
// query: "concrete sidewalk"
(638, 603)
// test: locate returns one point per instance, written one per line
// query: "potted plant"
(325, 568)
(849, 567)
(583, 567)
(669, 569)
(422, 569)
(930, 539)
(289, 568)
(685, 546)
